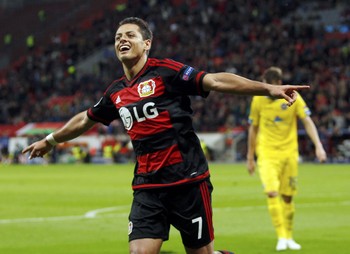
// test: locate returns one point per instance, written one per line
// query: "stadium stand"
(73, 56)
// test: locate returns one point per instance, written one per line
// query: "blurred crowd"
(242, 36)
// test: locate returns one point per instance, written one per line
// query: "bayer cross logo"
(146, 88)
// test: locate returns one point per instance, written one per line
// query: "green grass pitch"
(83, 209)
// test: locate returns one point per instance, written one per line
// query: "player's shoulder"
(165, 63)
(261, 99)
(115, 85)
(299, 99)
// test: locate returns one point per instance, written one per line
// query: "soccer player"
(273, 139)
(171, 184)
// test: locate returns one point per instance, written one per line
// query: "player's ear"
(148, 44)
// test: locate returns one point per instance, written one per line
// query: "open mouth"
(124, 48)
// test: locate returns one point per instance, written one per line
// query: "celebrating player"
(171, 181)
(273, 137)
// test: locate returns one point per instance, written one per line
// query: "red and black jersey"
(156, 112)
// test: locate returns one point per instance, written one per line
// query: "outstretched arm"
(76, 126)
(230, 83)
(313, 134)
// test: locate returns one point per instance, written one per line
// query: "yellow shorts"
(278, 172)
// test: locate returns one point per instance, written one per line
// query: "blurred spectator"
(243, 37)
(42, 15)
(7, 39)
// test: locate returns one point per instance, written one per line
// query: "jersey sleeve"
(254, 115)
(103, 111)
(302, 109)
(185, 80)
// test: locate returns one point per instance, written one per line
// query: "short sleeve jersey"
(155, 109)
(277, 123)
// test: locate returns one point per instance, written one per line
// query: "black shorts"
(186, 207)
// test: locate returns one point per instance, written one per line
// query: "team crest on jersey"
(284, 106)
(146, 88)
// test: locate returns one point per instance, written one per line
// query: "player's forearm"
(76, 126)
(251, 148)
(251, 142)
(250, 153)
(311, 131)
(231, 83)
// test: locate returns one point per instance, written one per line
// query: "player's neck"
(133, 67)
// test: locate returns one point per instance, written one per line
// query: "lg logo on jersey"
(149, 111)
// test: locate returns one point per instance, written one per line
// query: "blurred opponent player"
(273, 138)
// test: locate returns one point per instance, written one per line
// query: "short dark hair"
(272, 75)
(143, 25)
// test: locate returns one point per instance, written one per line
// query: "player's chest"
(277, 112)
(140, 101)
(139, 93)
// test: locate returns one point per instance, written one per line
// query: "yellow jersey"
(277, 123)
